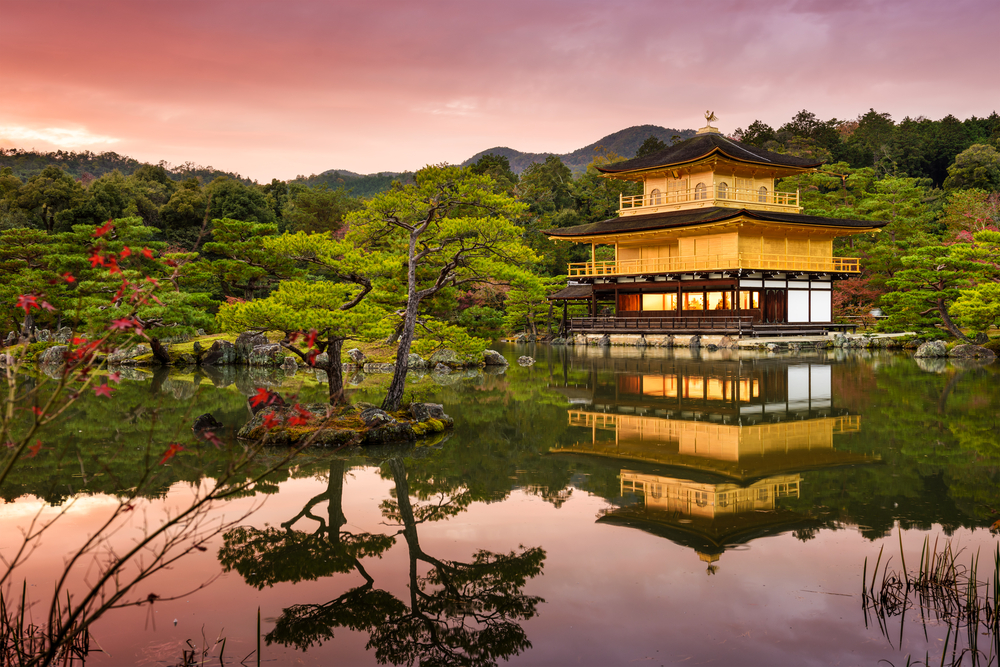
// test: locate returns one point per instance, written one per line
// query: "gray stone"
(185, 360)
(694, 342)
(199, 332)
(245, 343)
(289, 364)
(356, 379)
(321, 360)
(268, 354)
(198, 349)
(771, 347)
(793, 347)
(934, 348)
(205, 421)
(63, 335)
(441, 368)
(421, 412)
(727, 343)
(445, 356)
(972, 352)
(357, 356)
(671, 341)
(415, 361)
(525, 361)
(604, 342)
(558, 341)
(42, 335)
(222, 353)
(493, 358)
(711, 347)
(375, 417)
(127, 355)
(11, 339)
(53, 355)
(641, 342)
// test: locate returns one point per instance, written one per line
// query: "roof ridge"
(745, 150)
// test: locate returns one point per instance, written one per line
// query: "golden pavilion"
(710, 246)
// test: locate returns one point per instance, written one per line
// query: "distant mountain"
(624, 142)
(87, 166)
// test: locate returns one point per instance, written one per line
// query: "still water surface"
(603, 507)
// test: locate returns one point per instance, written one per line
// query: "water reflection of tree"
(461, 613)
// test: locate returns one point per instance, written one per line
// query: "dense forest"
(936, 182)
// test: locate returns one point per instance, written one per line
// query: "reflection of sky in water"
(696, 560)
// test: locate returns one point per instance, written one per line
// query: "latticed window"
(700, 191)
(762, 195)
(655, 198)
(723, 191)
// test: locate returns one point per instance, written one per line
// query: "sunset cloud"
(278, 89)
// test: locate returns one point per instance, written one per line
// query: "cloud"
(62, 137)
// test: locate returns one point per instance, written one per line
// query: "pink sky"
(276, 89)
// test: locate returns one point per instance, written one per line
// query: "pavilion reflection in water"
(712, 448)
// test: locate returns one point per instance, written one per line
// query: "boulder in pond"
(493, 358)
(694, 342)
(934, 348)
(205, 421)
(357, 356)
(415, 361)
(245, 343)
(972, 352)
(376, 417)
(421, 412)
(445, 355)
(267, 354)
(53, 355)
(525, 361)
(222, 353)
(289, 364)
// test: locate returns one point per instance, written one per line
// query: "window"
(655, 198)
(723, 191)
(659, 302)
(719, 300)
(762, 195)
(677, 190)
(694, 301)
(749, 299)
(700, 191)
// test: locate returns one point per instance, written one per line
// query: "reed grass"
(946, 591)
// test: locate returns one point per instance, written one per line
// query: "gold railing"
(708, 194)
(730, 261)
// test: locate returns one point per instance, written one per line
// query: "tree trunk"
(549, 324)
(159, 352)
(394, 396)
(335, 372)
(942, 308)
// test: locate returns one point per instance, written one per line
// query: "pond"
(602, 507)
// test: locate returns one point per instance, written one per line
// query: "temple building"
(710, 246)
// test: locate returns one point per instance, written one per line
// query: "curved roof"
(702, 146)
(690, 218)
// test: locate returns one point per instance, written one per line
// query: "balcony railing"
(717, 196)
(727, 262)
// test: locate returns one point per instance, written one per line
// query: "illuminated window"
(719, 300)
(694, 387)
(700, 498)
(655, 198)
(762, 195)
(694, 301)
(700, 192)
(659, 385)
(723, 191)
(659, 302)
(749, 299)
(715, 390)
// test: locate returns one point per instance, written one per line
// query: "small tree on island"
(332, 306)
(450, 229)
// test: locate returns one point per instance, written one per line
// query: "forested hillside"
(624, 142)
(935, 182)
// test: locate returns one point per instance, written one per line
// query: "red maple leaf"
(79, 341)
(171, 452)
(104, 229)
(96, 260)
(27, 301)
(48, 306)
(103, 390)
(115, 377)
(122, 324)
(311, 337)
(297, 420)
(68, 277)
(37, 410)
(263, 396)
(126, 251)
(147, 253)
(270, 421)
(150, 279)
(34, 449)
(113, 266)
